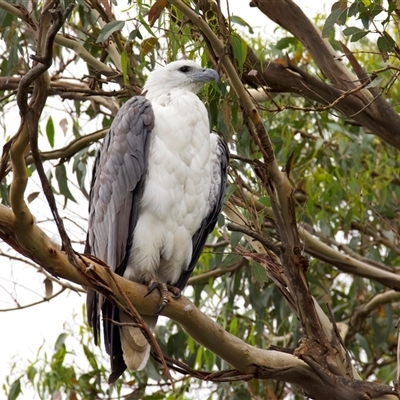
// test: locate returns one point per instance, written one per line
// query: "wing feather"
(219, 170)
(116, 190)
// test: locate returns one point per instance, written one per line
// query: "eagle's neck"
(161, 96)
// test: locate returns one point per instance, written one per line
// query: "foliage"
(344, 174)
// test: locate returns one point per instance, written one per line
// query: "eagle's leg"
(163, 288)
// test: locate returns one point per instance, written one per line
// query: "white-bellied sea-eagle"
(157, 189)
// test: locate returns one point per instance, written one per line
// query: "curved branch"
(70, 149)
(265, 364)
(16, 11)
(291, 17)
(85, 55)
(361, 313)
(368, 108)
(346, 263)
(290, 79)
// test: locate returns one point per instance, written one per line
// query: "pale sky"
(23, 331)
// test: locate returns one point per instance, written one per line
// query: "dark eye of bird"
(184, 69)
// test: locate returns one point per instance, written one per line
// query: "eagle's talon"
(176, 292)
(153, 284)
(163, 288)
(161, 307)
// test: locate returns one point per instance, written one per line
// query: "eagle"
(157, 189)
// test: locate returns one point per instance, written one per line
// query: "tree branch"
(346, 263)
(380, 118)
(265, 364)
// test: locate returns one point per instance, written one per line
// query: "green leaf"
(259, 273)
(333, 18)
(353, 9)
(233, 326)
(12, 60)
(60, 341)
(80, 168)
(356, 37)
(239, 47)
(382, 44)
(391, 43)
(6, 19)
(241, 395)
(155, 396)
(351, 30)
(366, 21)
(50, 131)
(265, 200)
(109, 29)
(15, 390)
(286, 42)
(235, 238)
(240, 21)
(124, 66)
(90, 357)
(61, 176)
(145, 25)
(31, 373)
(135, 34)
(230, 259)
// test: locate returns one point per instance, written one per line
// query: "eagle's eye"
(185, 68)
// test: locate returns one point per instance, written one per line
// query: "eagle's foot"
(176, 292)
(163, 288)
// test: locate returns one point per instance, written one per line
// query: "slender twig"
(215, 273)
(239, 228)
(71, 148)
(65, 285)
(44, 300)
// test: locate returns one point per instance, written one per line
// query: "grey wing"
(115, 194)
(219, 173)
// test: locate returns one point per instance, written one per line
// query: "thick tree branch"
(359, 317)
(291, 17)
(379, 118)
(265, 364)
(346, 263)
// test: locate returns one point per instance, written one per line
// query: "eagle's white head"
(182, 74)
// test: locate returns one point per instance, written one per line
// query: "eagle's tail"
(135, 346)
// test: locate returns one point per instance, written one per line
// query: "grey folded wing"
(116, 190)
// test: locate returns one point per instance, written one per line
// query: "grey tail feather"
(135, 347)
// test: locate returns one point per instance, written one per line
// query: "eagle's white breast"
(177, 189)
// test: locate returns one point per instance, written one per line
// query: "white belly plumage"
(176, 191)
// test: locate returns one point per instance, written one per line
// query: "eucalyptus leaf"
(109, 29)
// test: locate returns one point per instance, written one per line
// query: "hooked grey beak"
(205, 75)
